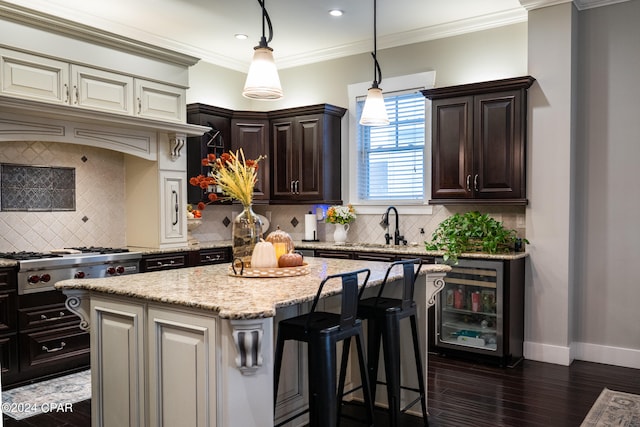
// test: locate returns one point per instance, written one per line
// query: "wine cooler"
(480, 311)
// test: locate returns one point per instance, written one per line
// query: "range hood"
(28, 120)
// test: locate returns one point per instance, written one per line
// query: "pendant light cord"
(265, 19)
(377, 71)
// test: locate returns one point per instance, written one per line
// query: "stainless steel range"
(38, 272)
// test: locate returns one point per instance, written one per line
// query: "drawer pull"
(53, 350)
(44, 316)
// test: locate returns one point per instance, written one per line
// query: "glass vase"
(246, 231)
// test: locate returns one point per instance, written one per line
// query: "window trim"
(419, 81)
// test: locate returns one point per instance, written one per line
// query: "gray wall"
(608, 154)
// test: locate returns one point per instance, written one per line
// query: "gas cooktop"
(86, 250)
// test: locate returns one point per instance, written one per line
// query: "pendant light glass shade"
(374, 112)
(263, 81)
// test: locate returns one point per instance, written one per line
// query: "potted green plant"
(472, 232)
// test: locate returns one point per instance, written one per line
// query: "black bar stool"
(322, 331)
(383, 317)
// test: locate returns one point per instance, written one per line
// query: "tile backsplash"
(37, 188)
(365, 228)
(99, 217)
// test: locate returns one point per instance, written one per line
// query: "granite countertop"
(401, 249)
(348, 247)
(212, 288)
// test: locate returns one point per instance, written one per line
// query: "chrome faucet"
(397, 238)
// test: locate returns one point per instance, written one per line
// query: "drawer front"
(166, 262)
(214, 256)
(53, 347)
(45, 316)
(426, 259)
(7, 312)
(334, 254)
(371, 256)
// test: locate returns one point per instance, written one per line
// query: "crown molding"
(485, 22)
(580, 4)
(590, 4)
(36, 19)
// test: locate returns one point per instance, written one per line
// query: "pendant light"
(262, 81)
(374, 112)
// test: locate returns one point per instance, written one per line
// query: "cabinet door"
(253, 137)
(216, 141)
(101, 90)
(33, 77)
(452, 148)
(160, 101)
(499, 146)
(8, 358)
(182, 368)
(308, 156)
(297, 151)
(8, 318)
(173, 229)
(117, 363)
(282, 161)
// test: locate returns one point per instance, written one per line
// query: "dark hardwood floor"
(461, 393)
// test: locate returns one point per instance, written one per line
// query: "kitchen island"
(194, 346)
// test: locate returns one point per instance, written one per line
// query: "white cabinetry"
(50, 80)
(182, 377)
(117, 363)
(160, 101)
(101, 90)
(176, 347)
(156, 201)
(34, 77)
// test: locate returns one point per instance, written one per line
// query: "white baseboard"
(618, 356)
(547, 353)
(561, 355)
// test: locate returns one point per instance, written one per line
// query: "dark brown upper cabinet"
(479, 142)
(305, 154)
(302, 145)
(216, 141)
(250, 131)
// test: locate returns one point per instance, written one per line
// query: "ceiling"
(304, 32)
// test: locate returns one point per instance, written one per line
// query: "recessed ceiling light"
(336, 12)
(241, 36)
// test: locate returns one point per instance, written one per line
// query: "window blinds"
(391, 158)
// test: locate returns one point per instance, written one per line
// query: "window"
(391, 158)
(390, 165)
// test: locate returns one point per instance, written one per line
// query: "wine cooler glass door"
(470, 308)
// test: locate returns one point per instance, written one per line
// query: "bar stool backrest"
(409, 275)
(349, 296)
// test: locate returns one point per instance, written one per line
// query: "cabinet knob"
(475, 183)
(468, 182)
